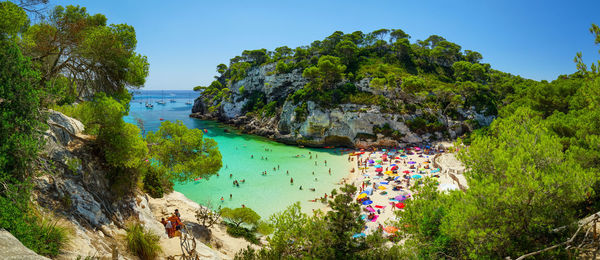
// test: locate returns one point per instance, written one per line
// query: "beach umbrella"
(406, 172)
(417, 148)
(411, 162)
(435, 170)
(359, 235)
(369, 208)
(390, 229)
(388, 172)
(384, 182)
(379, 207)
(383, 150)
(393, 164)
(362, 195)
(400, 205)
(371, 161)
(378, 160)
(394, 168)
(398, 177)
(369, 190)
(367, 202)
(379, 170)
(448, 186)
(378, 166)
(416, 176)
(381, 187)
(400, 197)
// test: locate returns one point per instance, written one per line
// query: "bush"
(142, 242)
(157, 182)
(36, 233)
(247, 234)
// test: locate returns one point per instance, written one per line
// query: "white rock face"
(346, 121)
(12, 249)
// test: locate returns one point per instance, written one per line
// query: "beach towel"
(380, 207)
(370, 209)
(375, 218)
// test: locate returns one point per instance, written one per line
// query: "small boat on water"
(148, 105)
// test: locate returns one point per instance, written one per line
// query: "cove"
(266, 194)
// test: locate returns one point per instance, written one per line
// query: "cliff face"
(343, 125)
(74, 188)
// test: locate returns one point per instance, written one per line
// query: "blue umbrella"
(393, 164)
(383, 150)
(371, 161)
(384, 182)
(411, 162)
(378, 166)
(397, 177)
(367, 202)
(416, 176)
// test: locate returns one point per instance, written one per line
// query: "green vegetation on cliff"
(381, 68)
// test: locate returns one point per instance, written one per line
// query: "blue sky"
(185, 40)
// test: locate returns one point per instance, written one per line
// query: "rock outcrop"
(342, 125)
(12, 249)
(74, 188)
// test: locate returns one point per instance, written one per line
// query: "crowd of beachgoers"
(384, 179)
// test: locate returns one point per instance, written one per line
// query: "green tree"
(327, 73)
(348, 51)
(20, 117)
(94, 56)
(184, 152)
(413, 84)
(522, 186)
(12, 19)
(239, 216)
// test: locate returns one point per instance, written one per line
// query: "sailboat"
(189, 101)
(172, 100)
(162, 101)
(149, 105)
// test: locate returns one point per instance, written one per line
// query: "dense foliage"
(532, 174)
(20, 139)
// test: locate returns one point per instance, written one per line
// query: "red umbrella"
(400, 205)
(394, 168)
(406, 172)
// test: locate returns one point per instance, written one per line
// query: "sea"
(245, 157)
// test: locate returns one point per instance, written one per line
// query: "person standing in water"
(291, 180)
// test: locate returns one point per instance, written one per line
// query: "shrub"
(246, 233)
(36, 233)
(157, 182)
(142, 242)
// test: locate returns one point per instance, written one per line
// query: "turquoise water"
(266, 194)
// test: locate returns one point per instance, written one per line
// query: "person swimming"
(312, 189)
(300, 187)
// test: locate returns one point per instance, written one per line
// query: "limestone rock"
(11, 248)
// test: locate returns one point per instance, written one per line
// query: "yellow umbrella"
(381, 187)
(362, 195)
(388, 172)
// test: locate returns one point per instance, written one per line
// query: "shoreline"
(240, 124)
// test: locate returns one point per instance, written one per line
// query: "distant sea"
(266, 194)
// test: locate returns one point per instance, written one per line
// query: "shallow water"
(266, 194)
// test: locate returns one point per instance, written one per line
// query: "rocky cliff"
(348, 124)
(74, 190)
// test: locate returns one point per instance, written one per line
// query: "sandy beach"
(384, 179)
